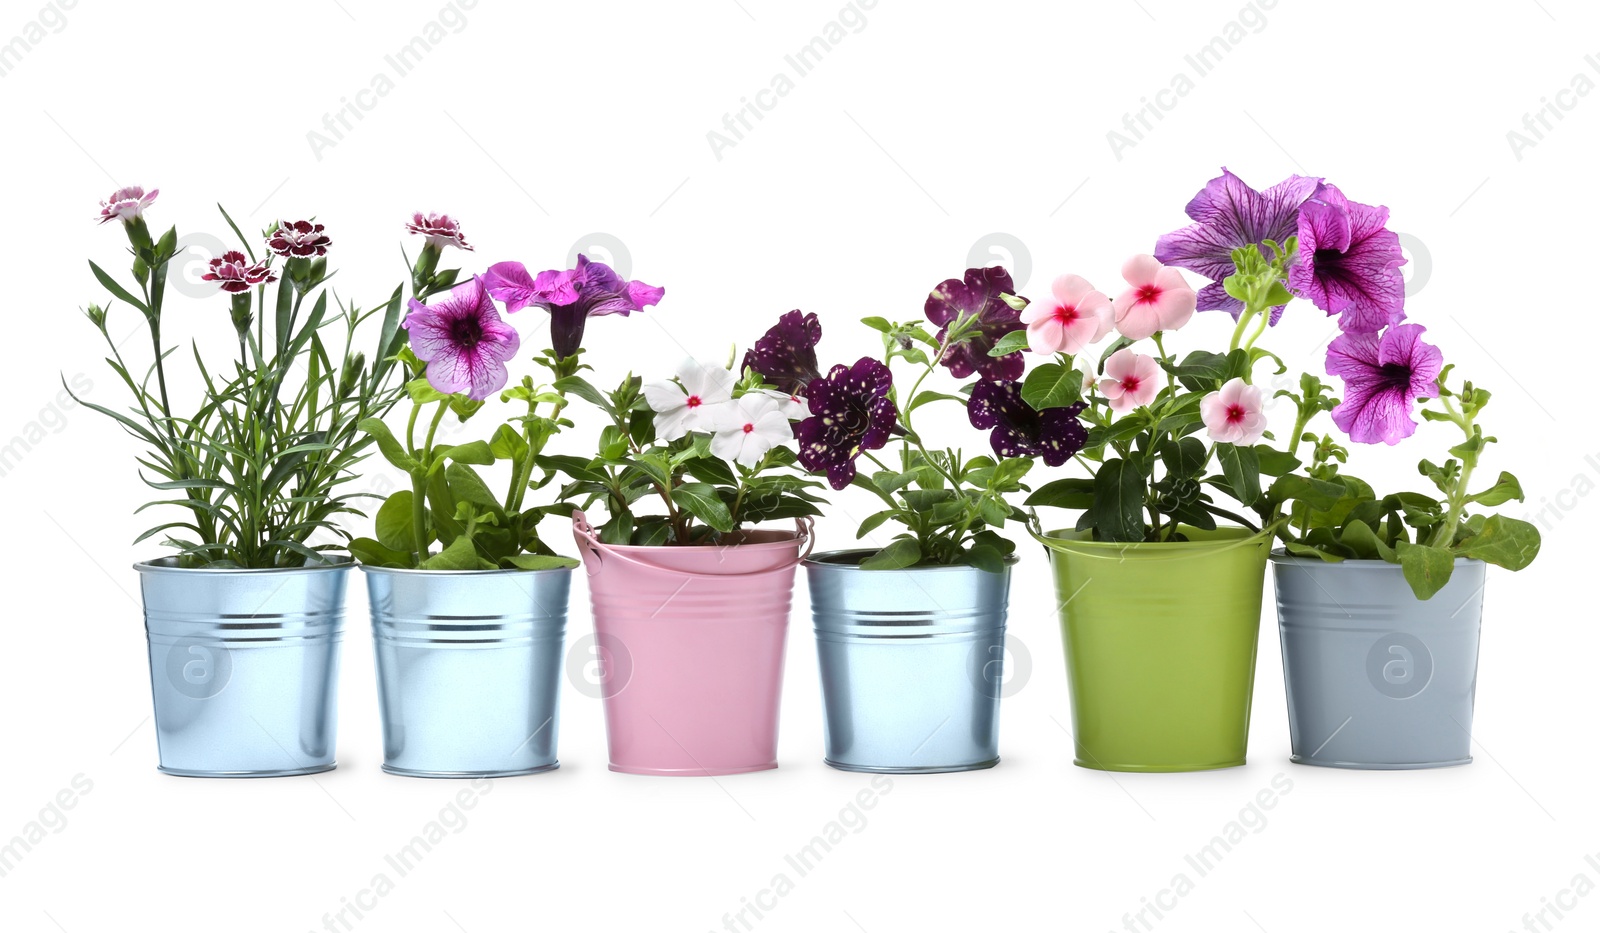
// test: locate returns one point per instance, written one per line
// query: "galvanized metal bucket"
(912, 664)
(1376, 678)
(469, 669)
(244, 667)
(692, 641)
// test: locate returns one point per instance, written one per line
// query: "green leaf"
(467, 486)
(1504, 490)
(577, 385)
(1052, 385)
(1505, 542)
(1013, 342)
(929, 395)
(476, 452)
(1274, 462)
(1070, 493)
(460, 555)
(393, 523)
(375, 554)
(115, 289)
(701, 501)
(878, 324)
(1186, 457)
(1426, 568)
(388, 445)
(1201, 365)
(1118, 510)
(1361, 539)
(1306, 550)
(873, 521)
(902, 552)
(1243, 471)
(507, 444)
(539, 562)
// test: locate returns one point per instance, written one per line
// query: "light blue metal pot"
(1376, 678)
(469, 669)
(244, 667)
(912, 664)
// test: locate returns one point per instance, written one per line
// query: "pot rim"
(784, 539)
(167, 565)
(422, 572)
(1282, 556)
(821, 560)
(1234, 535)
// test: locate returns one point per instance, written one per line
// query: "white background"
(929, 127)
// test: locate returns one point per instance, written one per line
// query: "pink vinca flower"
(1131, 380)
(441, 230)
(126, 203)
(687, 404)
(1233, 414)
(1073, 317)
(749, 426)
(1157, 299)
(463, 340)
(234, 273)
(299, 239)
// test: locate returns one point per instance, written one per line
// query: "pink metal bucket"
(691, 643)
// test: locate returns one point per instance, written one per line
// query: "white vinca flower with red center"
(686, 403)
(749, 426)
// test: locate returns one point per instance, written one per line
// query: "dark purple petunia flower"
(850, 412)
(1227, 215)
(1349, 263)
(463, 341)
(786, 355)
(234, 273)
(1019, 431)
(571, 296)
(299, 239)
(978, 293)
(1383, 376)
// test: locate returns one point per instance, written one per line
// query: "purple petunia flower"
(571, 296)
(441, 230)
(786, 355)
(1229, 214)
(1349, 264)
(463, 341)
(850, 412)
(126, 203)
(299, 239)
(234, 273)
(1019, 431)
(1383, 376)
(977, 293)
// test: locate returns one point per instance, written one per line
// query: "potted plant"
(911, 636)
(1380, 598)
(244, 619)
(1160, 580)
(469, 636)
(691, 603)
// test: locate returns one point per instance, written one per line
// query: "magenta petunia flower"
(786, 355)
(1349, 264)
(978, 294)
(1229, 214)
(850, 412)
(571, 296)
(126, 203)
(299, 239)
(441, 230)
(1383, 376)
(235, 273)
(463, 341)
(1017, 430)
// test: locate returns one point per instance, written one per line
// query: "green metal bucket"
(1161, 646)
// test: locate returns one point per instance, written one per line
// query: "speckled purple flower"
(850, 412)
(1349, 263)
(1017, 430)
(1229, 214)
(299, 239)
(1383, 376)
(463, 341)
(786, 355)
(977, 294)
(572, 296)
(234, 273)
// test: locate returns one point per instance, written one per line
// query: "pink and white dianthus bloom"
(686, 404)
(1073, 317)
(126, 203)
(1131, 380)
(1157, 299)
(1234, 414)
(441, 230)
(749, 426)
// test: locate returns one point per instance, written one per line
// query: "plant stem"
(1458, 493)
(419, 513)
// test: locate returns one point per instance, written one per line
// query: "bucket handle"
(1065, 547)
(589, 541)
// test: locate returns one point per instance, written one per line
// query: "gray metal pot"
(244, 666)
(911, 662)
(1376, 678)
(469, 669)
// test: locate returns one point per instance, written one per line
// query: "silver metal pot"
(469, 669)
(244, 667)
